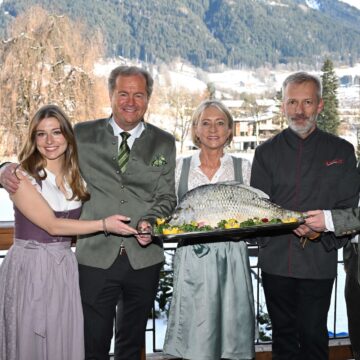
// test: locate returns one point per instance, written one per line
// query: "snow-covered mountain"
(313, 4)
(236, 33)
(316, 4)
(354, 3)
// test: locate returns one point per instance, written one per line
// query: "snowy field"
(354, 3)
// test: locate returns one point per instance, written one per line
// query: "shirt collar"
(135, 132)
(196, 159)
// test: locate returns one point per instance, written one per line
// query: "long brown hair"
(34, 163)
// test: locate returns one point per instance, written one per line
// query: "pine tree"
(329, 120)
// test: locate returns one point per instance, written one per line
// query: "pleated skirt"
(212, 309)
(40, 308)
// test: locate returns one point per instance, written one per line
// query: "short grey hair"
(124, 70)
(199, 111)
(301, 77)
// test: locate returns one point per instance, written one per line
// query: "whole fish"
(209, 204)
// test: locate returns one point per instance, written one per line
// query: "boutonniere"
(159, 161)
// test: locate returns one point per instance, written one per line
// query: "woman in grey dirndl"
(40, 307)
(212, 309)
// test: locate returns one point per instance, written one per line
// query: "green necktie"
(124, 152)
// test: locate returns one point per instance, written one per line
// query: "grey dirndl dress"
(40, 306)
(212, 309)
(212, 312)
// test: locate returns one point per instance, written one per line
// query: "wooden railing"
(6, 234)
(339, 348)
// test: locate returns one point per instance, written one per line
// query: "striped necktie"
(124, 151)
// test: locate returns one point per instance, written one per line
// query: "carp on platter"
(212, 203)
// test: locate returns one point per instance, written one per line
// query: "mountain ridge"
(206, 33)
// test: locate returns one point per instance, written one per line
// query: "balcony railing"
(339, 342)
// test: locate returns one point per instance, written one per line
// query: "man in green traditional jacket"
(130, 174)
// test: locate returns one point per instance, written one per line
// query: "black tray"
(229, 234)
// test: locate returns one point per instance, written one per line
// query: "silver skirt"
(40, 308)
(212, 310)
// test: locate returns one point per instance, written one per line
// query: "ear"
(320, 106)
(282, 108)
(196, 131)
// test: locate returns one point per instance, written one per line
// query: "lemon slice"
(232, 224)
(169, 231)
(160, 221)
(289, 220)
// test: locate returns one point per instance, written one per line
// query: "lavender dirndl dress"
(40, 307)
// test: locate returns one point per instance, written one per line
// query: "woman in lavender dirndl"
(40, 307)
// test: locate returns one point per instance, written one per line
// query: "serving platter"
(196, 237)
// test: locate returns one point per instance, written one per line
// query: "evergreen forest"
(237, 33)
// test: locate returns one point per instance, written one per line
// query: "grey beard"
(301, 130)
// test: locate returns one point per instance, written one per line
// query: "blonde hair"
(34, 163)
(199, 111)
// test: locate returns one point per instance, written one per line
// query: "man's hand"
(305, 231)
(316, 220)
(8, 179)
(144, 227)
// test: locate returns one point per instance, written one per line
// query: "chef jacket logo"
(334, 162)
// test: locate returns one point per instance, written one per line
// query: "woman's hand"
(116, 224)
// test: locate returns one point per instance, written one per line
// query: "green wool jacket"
(144, 191)
(346, 221)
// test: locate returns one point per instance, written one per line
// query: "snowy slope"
(354, 3)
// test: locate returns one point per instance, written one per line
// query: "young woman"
(40, 307)
(212, 309)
